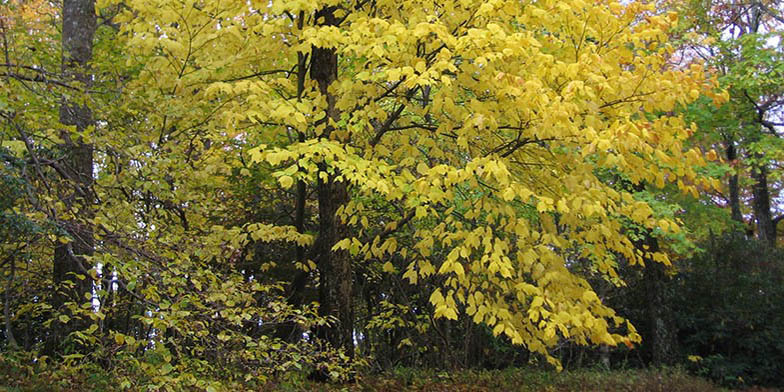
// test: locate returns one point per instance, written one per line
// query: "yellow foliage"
(491, 119)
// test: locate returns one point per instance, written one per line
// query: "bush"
(729, 308)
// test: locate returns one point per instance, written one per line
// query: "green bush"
(729, 308)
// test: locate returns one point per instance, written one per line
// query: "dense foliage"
(730, 314)
(219, 195)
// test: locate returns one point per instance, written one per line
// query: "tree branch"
(39, 79)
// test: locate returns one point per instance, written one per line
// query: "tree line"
(206, 193)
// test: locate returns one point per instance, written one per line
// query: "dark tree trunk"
(659, 335)
(9, 330)
(661, 332)
(766, 228)
(335, 272)
(295, 291)
(734, 188)
(79, 24)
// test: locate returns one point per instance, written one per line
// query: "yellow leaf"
(459, 270)
(420, 67)
(286, 181)
(509, 194)
(388, 267)
(436, 298)
(422, 168)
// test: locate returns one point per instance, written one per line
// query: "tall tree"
(335, 272)
(71, 258)
(742, 41)
(480, 125)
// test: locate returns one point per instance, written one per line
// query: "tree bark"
(734, 187)
(766, 228)
(335, 271)
(79, 24)
(661, 332)
(295, 291)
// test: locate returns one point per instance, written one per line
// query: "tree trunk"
(9, 330)
(295, 292)
(734, 188)
(79, 24)
(335, 272)
(661, 334)
(604, 356)
(766, 228)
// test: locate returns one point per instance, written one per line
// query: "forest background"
(221, 195)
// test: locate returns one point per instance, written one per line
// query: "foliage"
(742, 45)
(170, 303)
(729, 301)
(19, 377)
(272, 187)
(531, 379)
(509, 196)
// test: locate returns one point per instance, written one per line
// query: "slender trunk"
(766, 229)
(295, 292)
(9, 332)
(467, 328)
(335, 272)
(604, 356)
(299, 219)
(79, 24)
(734, 188)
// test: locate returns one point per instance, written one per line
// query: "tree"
(71, 257)
(31, 53)
(741, 41)
(482, 126)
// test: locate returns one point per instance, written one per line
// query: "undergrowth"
(15, 377)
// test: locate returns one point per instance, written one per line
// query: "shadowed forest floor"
(523, 380)
(90, 378)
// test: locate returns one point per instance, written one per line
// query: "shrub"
(729, 308)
